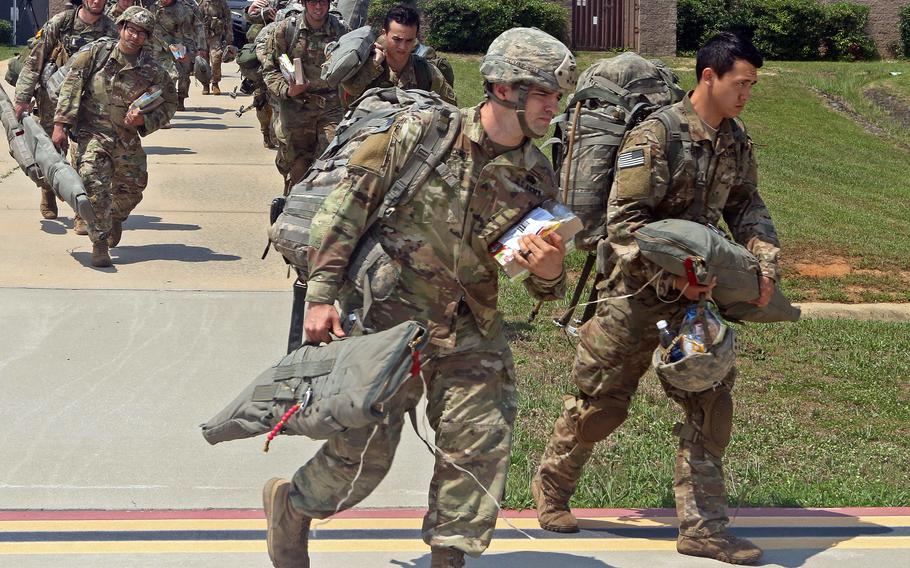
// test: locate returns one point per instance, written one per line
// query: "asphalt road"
(107, 373)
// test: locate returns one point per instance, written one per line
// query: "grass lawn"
(839, 193)
(7, 51)
(822, 407)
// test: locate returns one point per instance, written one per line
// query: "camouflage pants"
(215, 53)
(114, 174)
(184, 70)
(613, 353)
(471, 405)
(305, 134)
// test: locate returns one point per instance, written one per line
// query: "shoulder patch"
(633, 173)
(371, 155)
(632, 159)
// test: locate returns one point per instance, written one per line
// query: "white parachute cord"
(444, 456)
(353, 481)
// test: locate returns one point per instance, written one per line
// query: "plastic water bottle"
(666, 340)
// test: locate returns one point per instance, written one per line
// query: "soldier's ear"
(708, 75)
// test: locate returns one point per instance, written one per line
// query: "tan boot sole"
(539, 503)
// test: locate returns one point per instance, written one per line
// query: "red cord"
(277, 429)
(415, 363)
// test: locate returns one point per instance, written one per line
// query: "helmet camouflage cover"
(529, 55)
(139, 16)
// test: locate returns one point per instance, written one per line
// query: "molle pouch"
(699, 371)
(372, 268)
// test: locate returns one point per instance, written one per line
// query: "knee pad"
(598, 418)
(718, 425)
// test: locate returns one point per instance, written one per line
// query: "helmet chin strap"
(518, 107)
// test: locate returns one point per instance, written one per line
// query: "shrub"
(698, 20)
(904, 27)
(6, 32)
(844, 32)
(784, 29)
(379, 8)
(470, 25)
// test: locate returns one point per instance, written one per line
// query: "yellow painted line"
(416, 546)
(416, 523)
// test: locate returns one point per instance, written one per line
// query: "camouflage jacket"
(217, 20)
(113, 11)
(100, 87)
(418, 73)
(645, 190)
(439, 237)
(60, 37)
(178, 23)
(310, 48)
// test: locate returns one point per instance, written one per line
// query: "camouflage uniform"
(307, 121)
(418, 73)
(61, 37)
(219, 32)
(615, 347)
(439, 239)
(113, 11)
(109, 155)
(178, 24)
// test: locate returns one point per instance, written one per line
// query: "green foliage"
(781, 29)
(904, 27)
(471, 25)
(844, 34)
(6, 32)
(379, 8)
(698, 20)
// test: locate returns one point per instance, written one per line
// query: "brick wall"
(883, 21)
(657, 23)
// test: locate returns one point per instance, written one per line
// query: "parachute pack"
(374, 112)
(612, 96)
(348, 54)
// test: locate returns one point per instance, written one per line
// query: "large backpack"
(374, 112)
(345, 56)
(612, 96)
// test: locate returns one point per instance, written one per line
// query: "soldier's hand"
(202, 53)
(22, 109)
(295, 89)
(59, 137)
(320, 320)
(766, 290)
(693, 291)
(134, 118)
(378, 54)
(542, 256)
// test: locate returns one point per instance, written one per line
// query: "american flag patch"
(631, 159)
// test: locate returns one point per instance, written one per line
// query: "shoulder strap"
(423, 73)
(679, 145)
(292, 32)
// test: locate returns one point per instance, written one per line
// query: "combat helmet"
(528, 56)
(138, 16)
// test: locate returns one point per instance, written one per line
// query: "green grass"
(7, 51)
(835, 189)
(822, 418)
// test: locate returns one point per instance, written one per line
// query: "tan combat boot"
(101, 257)
(215, 89)
(722, 546)
(113, 238)
(288, 529)
(48, 205)
(446, 557)
(267, 140)
(553, 511)
(205, 88)
(79, 226)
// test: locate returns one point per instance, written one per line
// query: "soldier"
(62, 36)
(95, 107)
(117, 8)
(308, 112)
(176, 23)
(439, 238)
(615, 347)
(219, 32)
(394, 63)
(267, 108)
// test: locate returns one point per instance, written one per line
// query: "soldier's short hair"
(403, 14)
(721, 52)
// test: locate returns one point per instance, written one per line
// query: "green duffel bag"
(673, 244)
(247, 59)
(347, 383)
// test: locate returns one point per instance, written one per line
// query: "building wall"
(657, 27)
(25, 27)
(883, 21)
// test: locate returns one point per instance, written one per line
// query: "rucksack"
(347, 55)
(374, 112)
(612, 96)
(432, 56)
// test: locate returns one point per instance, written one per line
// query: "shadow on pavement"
(206, 126)
(165, 151)
(153, 223)
(214, 110)
(519, 560)
(85, 259)
(55, 226)
(179, 252)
